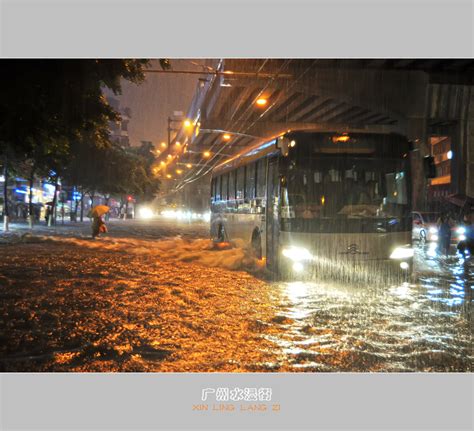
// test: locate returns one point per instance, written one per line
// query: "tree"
(47, 105)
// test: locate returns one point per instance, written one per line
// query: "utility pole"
(169, 132)
(170, 129)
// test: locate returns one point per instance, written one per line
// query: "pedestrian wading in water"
(98, 226)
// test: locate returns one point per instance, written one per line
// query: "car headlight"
(297, 254)
(461, 230)
(402, 253)
(462, 237)
(433, 230)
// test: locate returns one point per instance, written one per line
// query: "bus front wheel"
(220, 234)
(256, 244)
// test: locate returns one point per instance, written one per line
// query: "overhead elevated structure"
(253, 99)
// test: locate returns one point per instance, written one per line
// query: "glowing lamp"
(341, 138)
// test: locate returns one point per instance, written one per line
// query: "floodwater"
(425, 325)
(140, 301)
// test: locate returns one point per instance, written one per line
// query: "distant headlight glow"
(145, 212)
(402, 253)
(461, 230)
(297, 254)
(462, 237)
(433, 230)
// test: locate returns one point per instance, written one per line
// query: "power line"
(199, 174)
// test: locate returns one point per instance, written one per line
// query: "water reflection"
(419, 326)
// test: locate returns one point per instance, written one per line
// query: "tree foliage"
(53, 114)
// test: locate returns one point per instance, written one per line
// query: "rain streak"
(141, 301)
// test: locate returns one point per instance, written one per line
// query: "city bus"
(319, 202)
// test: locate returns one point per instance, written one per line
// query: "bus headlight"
(462, 237)
(461, 230)
(433, 230)
(298, 267)
(402, 253)
(297, 254)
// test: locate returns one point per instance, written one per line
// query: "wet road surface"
(138, 301)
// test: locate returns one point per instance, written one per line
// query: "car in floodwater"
(425, 226)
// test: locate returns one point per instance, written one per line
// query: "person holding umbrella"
(98, 225)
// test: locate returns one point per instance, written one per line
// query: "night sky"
(155, 99)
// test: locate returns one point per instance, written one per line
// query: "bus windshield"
(345, 188)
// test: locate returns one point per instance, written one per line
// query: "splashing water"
(302, 326)
(233, 256)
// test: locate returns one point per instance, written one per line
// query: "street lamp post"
(186, 123)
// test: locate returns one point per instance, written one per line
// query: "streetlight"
(189, 165)
(261, 101)
(186, 123)
(163, 145)
(179, 171)
(226, 137)
(206, 154)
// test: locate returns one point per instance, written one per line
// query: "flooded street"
(144, 299)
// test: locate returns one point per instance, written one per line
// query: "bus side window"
(232, 176)
(213, 190)
(261, 165)
(250, 182)
(218, 188)
(224, 190)
(240, 182)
